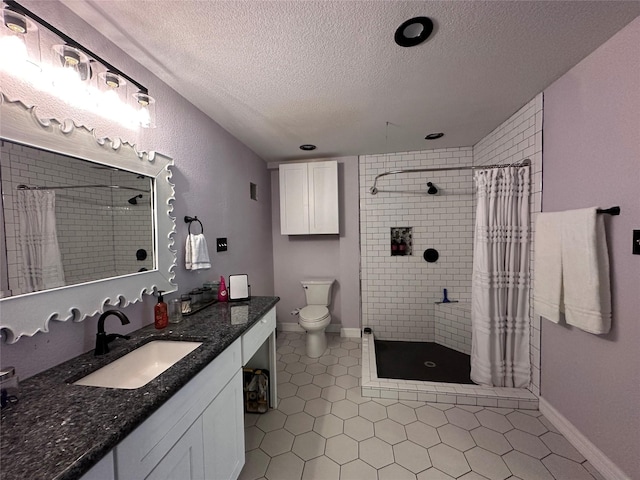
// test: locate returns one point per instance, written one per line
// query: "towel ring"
(190, 220)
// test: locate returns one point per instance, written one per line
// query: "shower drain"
(429, 364)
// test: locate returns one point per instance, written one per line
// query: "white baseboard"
(593, 454)
(350, 332)
(294, 327)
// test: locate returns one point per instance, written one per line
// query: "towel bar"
(609, 211)
(190, 220)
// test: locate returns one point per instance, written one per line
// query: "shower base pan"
(423, 361)
(437, 392)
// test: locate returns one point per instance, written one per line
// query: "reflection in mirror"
(69, 221)
(109, 163)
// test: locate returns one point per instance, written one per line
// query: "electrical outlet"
(221, 244)
(636, 242)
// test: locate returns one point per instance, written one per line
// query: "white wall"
(398, 292)
(297, 257)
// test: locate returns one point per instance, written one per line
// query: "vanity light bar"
(71, 42)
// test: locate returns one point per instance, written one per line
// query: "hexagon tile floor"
(324, 429)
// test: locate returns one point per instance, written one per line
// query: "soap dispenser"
(160, 312)
(222, 291)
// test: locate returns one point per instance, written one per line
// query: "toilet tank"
(318, 292)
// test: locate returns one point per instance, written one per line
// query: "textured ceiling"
(277, 74)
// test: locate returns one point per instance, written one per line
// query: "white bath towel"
(547, 266)
(197, 253)
(585, 266)
(571, 270)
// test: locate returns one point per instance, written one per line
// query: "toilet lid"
(314, 313)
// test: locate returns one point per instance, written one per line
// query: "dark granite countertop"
(59, 431)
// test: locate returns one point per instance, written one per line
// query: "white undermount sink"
(140, 366)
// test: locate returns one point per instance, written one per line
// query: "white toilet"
(315, 317)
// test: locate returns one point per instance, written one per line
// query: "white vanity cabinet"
(183, 439)
(199, 432)
(259, 350)
(309, 198)
(103, 470)
(223, 433)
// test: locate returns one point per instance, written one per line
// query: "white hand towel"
(197, 253)
(585, 265)
(547, 270)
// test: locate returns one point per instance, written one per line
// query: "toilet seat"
(314, 313)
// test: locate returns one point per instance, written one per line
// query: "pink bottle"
(222, 291)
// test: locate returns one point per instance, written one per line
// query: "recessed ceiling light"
(434, 136)
(307, 147)
(414, 31)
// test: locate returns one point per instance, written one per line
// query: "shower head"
(432, 188)
(134, 200)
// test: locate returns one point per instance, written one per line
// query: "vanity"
(186, 423)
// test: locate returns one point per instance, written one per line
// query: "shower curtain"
(500, 286)
(41, 259)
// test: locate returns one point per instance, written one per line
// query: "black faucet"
(102, 339)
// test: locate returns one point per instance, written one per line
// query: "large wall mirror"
(86, 222)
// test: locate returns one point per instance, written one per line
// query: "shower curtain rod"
(26, 187)
(524, 163)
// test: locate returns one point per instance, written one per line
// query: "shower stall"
(403, 297)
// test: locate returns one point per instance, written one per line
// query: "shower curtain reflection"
(41, 260)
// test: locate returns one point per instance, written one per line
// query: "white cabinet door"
(103, 470)
(144, 449)
(185, 460)
(309, 198)
(223, 433)
(323, 197)
(294, 199)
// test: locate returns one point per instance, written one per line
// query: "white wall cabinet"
(309, 198)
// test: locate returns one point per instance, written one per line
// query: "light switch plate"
(221, 244)
(636, 242)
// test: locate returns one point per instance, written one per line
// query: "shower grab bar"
(63, 187)
(524, 163)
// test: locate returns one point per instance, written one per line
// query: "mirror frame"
(30, 313)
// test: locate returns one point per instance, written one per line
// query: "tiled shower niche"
(401, 241)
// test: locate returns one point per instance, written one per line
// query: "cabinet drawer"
(256, 335)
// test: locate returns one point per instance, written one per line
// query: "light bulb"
(146, 111)
(111, 80)
(15, 22)
(73, 59)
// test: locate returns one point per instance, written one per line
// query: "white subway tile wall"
(399, 293)
(98, 230)
(453, 326)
